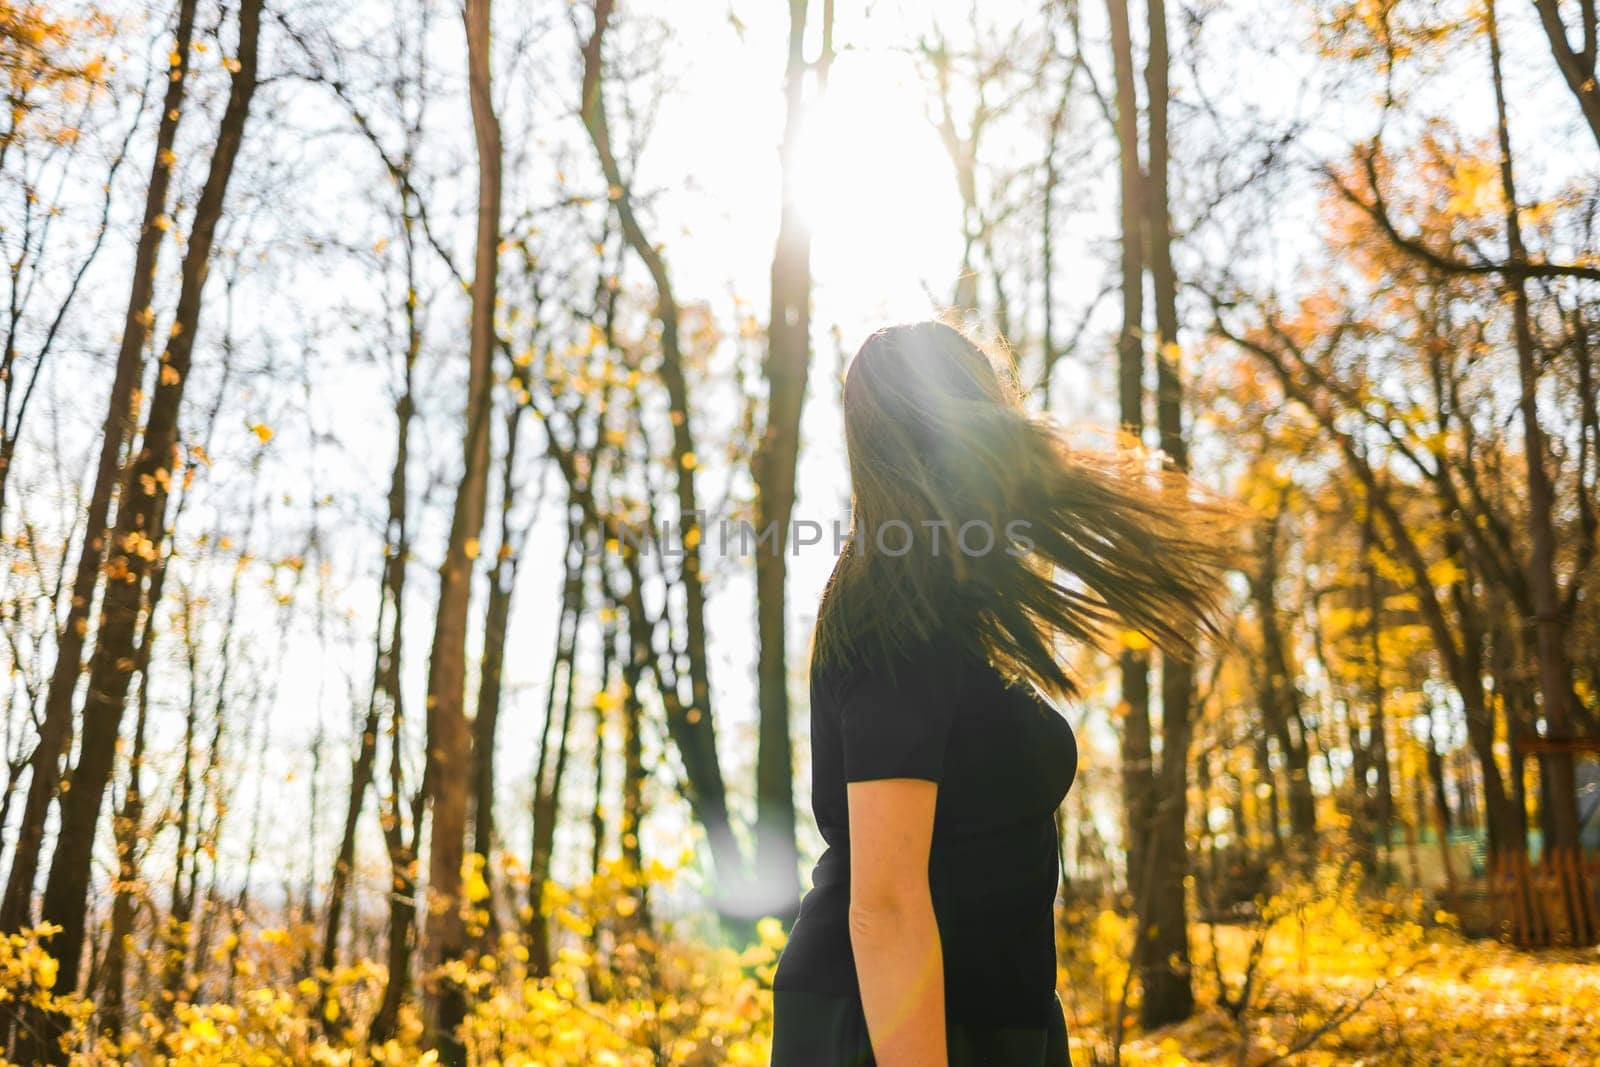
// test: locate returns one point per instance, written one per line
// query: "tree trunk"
(496, 619)
(633, 773)
(777, 888)
(1577, 66)
(1280, 700)
(449, 736)
(1134, 664)
(1047, 228)
(1168, 988)
(361, 774)
(401, 846)
(175, 939)
(691, 724)
(1555, 674)
(1440, 798)
(602, 703)
(1379, 797)
(363, 768)
(387, 666)
(402, 934)
(128, 832)
(1508, 826)
(55, 734)
(485, 724)
(550, 767)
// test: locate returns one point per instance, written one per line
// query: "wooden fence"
(1553, 902)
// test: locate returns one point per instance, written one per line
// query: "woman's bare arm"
(899, 961)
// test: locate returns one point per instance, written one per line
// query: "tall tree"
(1379, 794)
(690, 723)
(496, 625)
(396, 546)
(410, 106)
(787, 366)
(550, 770)
(401, 835)
(55, 731)
(1549, 622)
(1168, 989)
(1134, 661)
(449, 734)
(1280, 699)
(135, 544)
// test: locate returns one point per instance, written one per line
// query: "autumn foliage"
(373, 385)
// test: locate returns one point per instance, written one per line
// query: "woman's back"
(981, 541)
(1004, 760)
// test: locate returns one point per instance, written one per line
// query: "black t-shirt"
(1004, 760)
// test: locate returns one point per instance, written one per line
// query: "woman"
(979, 542)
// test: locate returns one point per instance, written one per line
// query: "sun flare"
(874, 184)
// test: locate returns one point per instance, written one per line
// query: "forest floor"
(1323, 973)
(1332, 990)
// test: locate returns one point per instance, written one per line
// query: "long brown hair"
(945, 462)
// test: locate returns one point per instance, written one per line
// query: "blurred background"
(385, 388)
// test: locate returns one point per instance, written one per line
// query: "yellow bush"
(642, 999)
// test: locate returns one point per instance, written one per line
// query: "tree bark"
(633, 773)
(387, 666)
(1051, 353)
(597, 811)
(1438, 804)
(1272, 814)
(400, 845)
(361, 775)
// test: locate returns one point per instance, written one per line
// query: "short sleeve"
(896, 724)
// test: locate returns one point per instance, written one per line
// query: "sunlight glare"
(877, 189)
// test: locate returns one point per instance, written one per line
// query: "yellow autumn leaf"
(1133, 641)
(1474, 188)
(477, 889)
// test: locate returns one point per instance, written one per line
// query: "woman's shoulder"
(903, 659)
